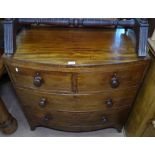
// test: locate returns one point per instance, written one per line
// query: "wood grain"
(143, 110)
(76, 121)
(84, 46)
(76, 67)
(76, 102)
(61, 81)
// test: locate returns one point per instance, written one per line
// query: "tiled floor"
(7, 94)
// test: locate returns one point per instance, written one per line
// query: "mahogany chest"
(76, 79)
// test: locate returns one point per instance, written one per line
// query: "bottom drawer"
(76, 121)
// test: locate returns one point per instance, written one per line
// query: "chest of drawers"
(76, 79)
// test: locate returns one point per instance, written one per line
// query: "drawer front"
(99, 79)
(65, 102)
(115, 78)
(76, 121)
(40, 79)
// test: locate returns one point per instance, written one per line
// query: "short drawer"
(41, 79)
(78, 102)
(115, 77)
(76, 121)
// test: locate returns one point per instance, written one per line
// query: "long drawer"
(76, 102)
(76, 80)
(76, 121)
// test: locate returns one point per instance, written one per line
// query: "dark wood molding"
(77, 22)
(9, 36)
(141, 31)
(139, 25)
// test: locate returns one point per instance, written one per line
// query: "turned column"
(8, 124)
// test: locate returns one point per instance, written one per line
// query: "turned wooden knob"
(109, 102)
(114, 81)
(104, 119)
(46, 118)
(37, 80)
(42, 102)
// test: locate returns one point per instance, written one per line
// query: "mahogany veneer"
(76, 79)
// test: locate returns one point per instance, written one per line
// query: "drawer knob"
(37, 80)
(109, 102)
(114, 81)
(104, 119)
(42, 102)
(46, 118)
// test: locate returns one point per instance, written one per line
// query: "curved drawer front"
(100, 79)
(110, 80)
(40, 79)
(69, 102)
(76, 120)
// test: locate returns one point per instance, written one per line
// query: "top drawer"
(115, 78)
(41, 79)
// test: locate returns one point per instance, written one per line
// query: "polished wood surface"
(139, 26)
(76, 121)
(84, 46)
(102, 81)
(143, 111)
(76, 102)
(76, 79)
(51, 81)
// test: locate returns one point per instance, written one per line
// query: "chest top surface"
(66, 46)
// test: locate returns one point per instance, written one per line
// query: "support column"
(9, 36)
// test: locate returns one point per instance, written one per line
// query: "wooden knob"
(104, 119)
(109, 102)
(42, 102)
(46, 118)
(114, 81)
(37, 80)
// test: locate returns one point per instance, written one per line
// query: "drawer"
(116, 77)
(76, 121)
(77, 102)
(41, 79)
